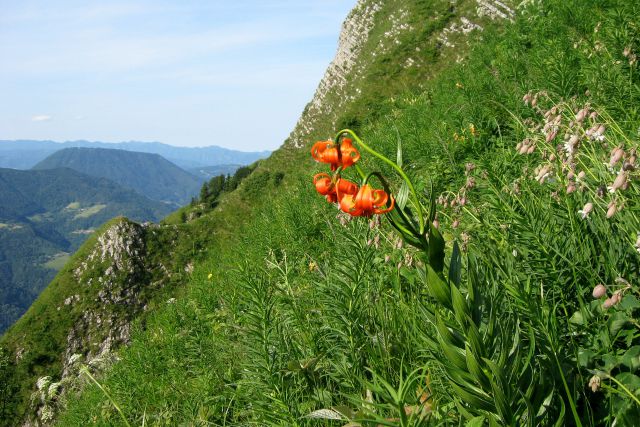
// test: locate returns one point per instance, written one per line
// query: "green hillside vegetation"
(48, 212)
(149, 174)
(295, 314)
(122, 271)
(208, 172)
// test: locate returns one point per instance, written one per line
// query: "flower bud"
(455, 224)
(616, 156)
(616, 297)
(599, 291)
(611, 209)
(621, 179)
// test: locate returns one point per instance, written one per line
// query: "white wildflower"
(586, 210)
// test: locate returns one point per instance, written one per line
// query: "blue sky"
(231, 73)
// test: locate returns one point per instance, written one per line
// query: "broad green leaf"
(346, 411)
(631, 358)
(631, 381)
(476, 421)
(629, 302)
(616, 322)
(577, 318)
(585, 357)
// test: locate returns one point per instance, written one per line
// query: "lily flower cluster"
(406, 213)
(353, 199)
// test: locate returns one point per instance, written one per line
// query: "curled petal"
(318, 176)
(331, 156)
(318, 149)
(349, 153)
(369, 201)
(348, 205)
(324, 186)
(346, 187)
(380, 198)
(383, 211)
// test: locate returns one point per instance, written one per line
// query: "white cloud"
(41, 118)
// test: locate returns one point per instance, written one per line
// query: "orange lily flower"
(333, 190)
(366, 202)
(327, 152)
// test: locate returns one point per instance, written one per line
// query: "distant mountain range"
(24, 154)
(149, 174)
(44, 216)
(208, 172)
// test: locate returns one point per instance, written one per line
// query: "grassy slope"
(299, 311)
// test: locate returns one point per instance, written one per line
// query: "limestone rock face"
(354, 35)
(110, 280)
(116, 266)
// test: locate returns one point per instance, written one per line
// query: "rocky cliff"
(85, 314)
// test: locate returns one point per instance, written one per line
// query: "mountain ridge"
(12, 152)
(149, 174)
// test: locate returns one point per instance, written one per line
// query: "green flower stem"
(397, 168)
(85, 371)
(622, 386)
(360, 171)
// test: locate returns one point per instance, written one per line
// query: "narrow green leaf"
(326, 414)
(455, 267)
(436, 248)
(453, 353)
(478, 401)
(460, 307)
(475, 369)
(402, 195)
(399, 153)
(438, 288)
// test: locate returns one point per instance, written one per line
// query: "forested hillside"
(150, 175)
(44, 217)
